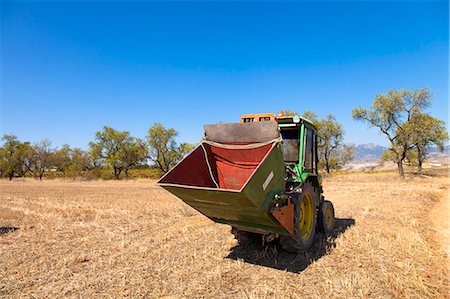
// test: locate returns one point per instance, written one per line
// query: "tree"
(186, 148)
(3, 162)
(392, 114)
(117, 150)
(10, 161)
(426, 131)
(42, 158)
(163, 149)
(72, 162)
(330, 143)
(312, 116)
(338, 158)
(80, 162)
(136, 154)
(80, 159)
(63, 159)
(24, 155)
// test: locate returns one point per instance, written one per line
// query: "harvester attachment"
(233, 176)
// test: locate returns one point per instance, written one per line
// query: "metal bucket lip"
(199, 188)
(214, 189)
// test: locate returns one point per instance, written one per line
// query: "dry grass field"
(133, 239)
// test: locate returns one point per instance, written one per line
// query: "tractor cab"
(299, 143)
(299, 146)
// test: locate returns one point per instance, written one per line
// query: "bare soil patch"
(132, 238)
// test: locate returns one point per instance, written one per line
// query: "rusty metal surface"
(285, 215)
(254, 117)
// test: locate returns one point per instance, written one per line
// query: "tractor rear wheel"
(304, 221)
(326, 218)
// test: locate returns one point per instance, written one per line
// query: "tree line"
(115, 151)
(399, 114)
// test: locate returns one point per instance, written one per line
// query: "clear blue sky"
(69, 68)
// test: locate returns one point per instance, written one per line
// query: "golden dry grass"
(133, 239)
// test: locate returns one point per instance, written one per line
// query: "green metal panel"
(267, 181)
(300, 176)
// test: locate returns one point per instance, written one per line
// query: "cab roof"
(289, 119)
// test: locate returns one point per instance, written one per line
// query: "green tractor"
(260, 176)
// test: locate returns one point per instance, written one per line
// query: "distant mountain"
(369, 152)
(434, 149)
(436, 156)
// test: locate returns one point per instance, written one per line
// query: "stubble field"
(133, 239)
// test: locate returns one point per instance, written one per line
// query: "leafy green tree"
(392, 114)
(109, 148)
(338, 158)
(330, 145)
(312, 116)
(186, 148)
(10, 162)
(117, 150)
(42, 158)
(63, 159)
(426, 131)
(72, 162)
(96, 154)
(136, 154)
(80, 162)
(3, 162)
(164, 151)
(24, 156)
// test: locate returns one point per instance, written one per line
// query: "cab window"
(290, 145)
(310, 152)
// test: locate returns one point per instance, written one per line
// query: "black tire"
(326, 218)
(244, 237)
(299, 242)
